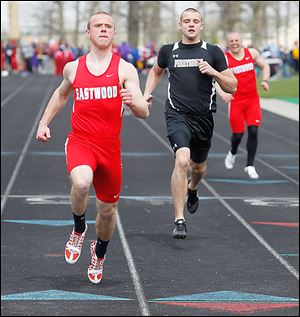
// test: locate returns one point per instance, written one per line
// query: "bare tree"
(133, 23)
(287, 23)
(46, 15)
(151, 20)
(203, 10)
(61, 20)
(230, 15)
(77, 23)
(277, 10)
(259, 27)
(93, 7)
(114, 10)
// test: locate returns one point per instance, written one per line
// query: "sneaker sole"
(193, 209)
(71, 261)
(179, 235)
(97, 281)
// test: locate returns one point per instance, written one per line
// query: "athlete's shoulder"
(70, 70)
(166, 48)
(72, 65)
(213, 47)
(125, 65)
(126, 69)
(215, 51)
(253, 52)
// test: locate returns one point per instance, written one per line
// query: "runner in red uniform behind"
(244, 105)
(93, 153)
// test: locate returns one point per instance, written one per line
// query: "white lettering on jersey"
(108, 92)
(185, 63)
(242, 68)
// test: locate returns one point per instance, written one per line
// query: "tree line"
(145, 21)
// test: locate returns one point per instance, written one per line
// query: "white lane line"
(8, 98)
(24, 150)
(289, 267)
(266, 131)
(244, 151)
(134, 273)
(261, 161)
(255, 201)
(286, 264)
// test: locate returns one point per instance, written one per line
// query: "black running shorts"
(191, 131)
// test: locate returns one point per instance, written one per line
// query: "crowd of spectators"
(50, 58)
(283, 62)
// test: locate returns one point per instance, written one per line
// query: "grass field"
(281, 88)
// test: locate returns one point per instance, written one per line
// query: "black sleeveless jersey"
(190, 91)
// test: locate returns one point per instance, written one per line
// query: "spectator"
(59, 61)
(27, 53)
(284, 55)
(295, 56)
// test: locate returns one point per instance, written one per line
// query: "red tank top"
(244, 71)
(97, 107)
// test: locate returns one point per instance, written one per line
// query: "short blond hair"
(99, 12)
(190, 10)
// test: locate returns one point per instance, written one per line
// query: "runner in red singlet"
(93, 153)
(244, 105)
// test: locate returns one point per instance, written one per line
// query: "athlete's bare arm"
(131, 92)
(56, 102)
(227, 97)
(225, 79)
(263, 65)
(153, 79)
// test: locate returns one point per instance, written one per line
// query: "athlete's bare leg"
(81, 179)
(105, 220)
(198, 171)
(179, 181)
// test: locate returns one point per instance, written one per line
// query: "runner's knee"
(182, 161)
(252, 132)
(81, 185)
(199, 168)
(107, 210)
(237, 137)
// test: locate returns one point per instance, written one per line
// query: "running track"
(241, 255)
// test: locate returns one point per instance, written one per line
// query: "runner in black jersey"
(193, 68)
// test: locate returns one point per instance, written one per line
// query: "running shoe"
(250, 170)
(192, 202)
(180, 229)
(74, 246)
(96, 266)
(229, 160)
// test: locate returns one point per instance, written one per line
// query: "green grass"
(281, 88)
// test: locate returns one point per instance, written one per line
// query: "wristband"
(266, 81)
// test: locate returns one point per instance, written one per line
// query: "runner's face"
(234, 42)
(102, 30)
(191, 25)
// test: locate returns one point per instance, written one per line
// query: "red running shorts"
(244, 110)
(103, 155)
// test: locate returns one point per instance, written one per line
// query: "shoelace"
(96, 263)
(76, 240)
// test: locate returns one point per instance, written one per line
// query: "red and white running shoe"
(74, 246)
(96, 267)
